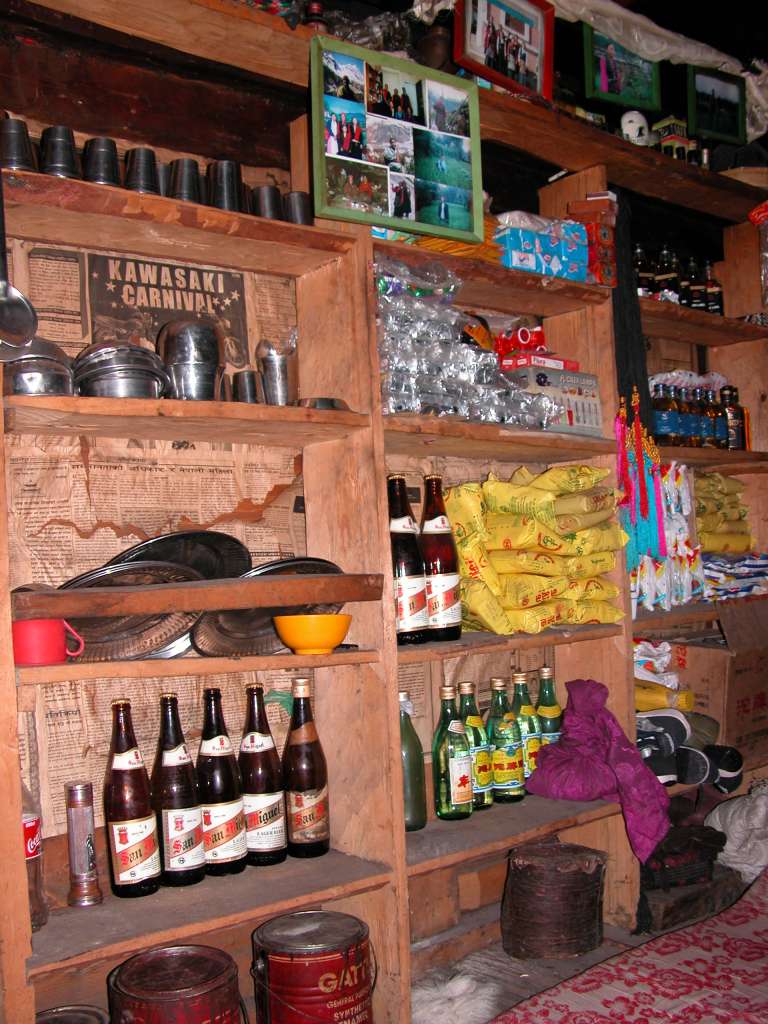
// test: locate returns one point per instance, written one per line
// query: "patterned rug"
(712, 972)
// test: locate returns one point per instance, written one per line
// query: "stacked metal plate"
(119, 370)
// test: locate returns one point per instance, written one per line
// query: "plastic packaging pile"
(665, 583)
(721, 516)
(735, 577)
(427, 368)
(533, 551)
(655, 685)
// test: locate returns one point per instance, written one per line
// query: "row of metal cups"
(221, 186)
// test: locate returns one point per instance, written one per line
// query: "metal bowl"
(191, 341)
(37, 376)
(123, 383)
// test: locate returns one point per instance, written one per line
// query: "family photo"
(393, 94)
(506, 38)
(365, 189)
(344, 128)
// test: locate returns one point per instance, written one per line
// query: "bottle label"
(688, 424)
(549, 711)
(127, 760)
(219, 746)
(474, 720)
(482, 769)
(531, 748)
(183, 844)
(460, 778)
(411, 603)
(439, 524)
(178, 755)
(508, 767)
(256, 742)
(134, 851)
(308, 818)
(224, 831)
(404, 524)
(721, 428)
(457, 726)
(265, 821)
(443, 600)
(33, 836)
(707, 427)
(550, 737)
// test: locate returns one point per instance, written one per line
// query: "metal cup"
(163, 178)
(267, 202)
(185, 180)
(224, 185)
(246, 387)
(57, 152)
(280, 378)
(100, 162)
(141, 171)
(298, 208)
(16, 152)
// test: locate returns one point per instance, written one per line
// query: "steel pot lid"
(37, 377)
(310, 931)
(38, 348)
(110, 354)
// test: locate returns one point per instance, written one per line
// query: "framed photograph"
(716, 105)
(508, 43)
(617, 75)
(394, 144)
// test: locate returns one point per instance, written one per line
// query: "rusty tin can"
(72, 1015)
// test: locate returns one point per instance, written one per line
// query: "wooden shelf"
(168, 419)
(77, 671)
(717, 460)
(444, 843)
(489, 643)
(47, 209)
(492, 286)
(422, 436)
(696, 611)
(76, 936)
(202, 595)
(678, 323)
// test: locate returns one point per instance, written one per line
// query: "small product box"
(578, 392)
(517, 361)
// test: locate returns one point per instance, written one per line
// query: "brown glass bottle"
(696, 286)
(177, 802)
(734, 414)
(666, 418)
(218, 779)
(441, 565)
(305, 781)
(713, 291)
(262, 777)
(411, 621)
(134, 860)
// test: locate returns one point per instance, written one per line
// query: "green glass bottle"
(549, 711)
(414, 789)
(506, 748)
(527, 720)
(499, 704)
(479, 748)
(451, 761)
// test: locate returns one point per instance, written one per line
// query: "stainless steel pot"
(123, 382)
(37, 376)
(199, 382)
(191, 341)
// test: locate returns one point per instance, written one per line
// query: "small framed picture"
(716, 105)
(508, 43)
(617, 75)
(394, 144)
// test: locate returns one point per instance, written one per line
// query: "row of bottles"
(477, 763)
(229, 812)
(693, 417)
(687, 285)
(424, 565)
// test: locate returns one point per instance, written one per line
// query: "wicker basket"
(553, 901)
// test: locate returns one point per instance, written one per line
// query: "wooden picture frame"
(614, 74)
(716, 105)
(510, 43)
(394, 144)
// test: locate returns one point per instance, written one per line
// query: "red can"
(313, 967)
(176, 985)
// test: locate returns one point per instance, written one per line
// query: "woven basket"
(553, 901)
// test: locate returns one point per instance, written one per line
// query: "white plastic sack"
(745, 823)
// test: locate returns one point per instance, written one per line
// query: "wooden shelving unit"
(671, 322)
(489, 643)
(712, 460)
(685, 614)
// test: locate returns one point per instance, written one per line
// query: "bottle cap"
(169, 696)
(300, 687)
(519, 677)
(545, 672)
(121, 702)
(447, 692)
(433, 476)
(497, 683)
(211, 689)
(403, 695)
(395, 476)
(79, 794)
(466, 687)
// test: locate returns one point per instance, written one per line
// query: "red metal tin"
(313, 967)
(72, 1015)
(175, 985)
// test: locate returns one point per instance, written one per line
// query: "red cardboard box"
(514, 362)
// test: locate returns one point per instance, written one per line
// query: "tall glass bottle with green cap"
(506, 747)
(549, 711)
(528, 720)
(451, 761)
(479, 748)
(499, 704)
(414, 792)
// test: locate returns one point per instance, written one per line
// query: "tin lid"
(72, 1015)
(171, 972)
(309, 931)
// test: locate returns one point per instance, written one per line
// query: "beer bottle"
(667, 279)
(549, 711)
(218, 778)
(644, 278)
(441, 565)
(305, 781)
(411, 620)
(734, 415)
(713, 291)
(479, 748)
(262, 777)
(685, 284)
(414, 791)
(134, 859)
(176, 802)
(451, 761)
(696, 286)
(528, 721)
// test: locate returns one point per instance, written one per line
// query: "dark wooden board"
(678, 323)
(489, 643)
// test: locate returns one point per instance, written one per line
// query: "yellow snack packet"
(534, 620)
(594, 588)
(465, 509)
(522, 590)
(726, 543)
(474, 563)
(518, 499)
(569, 479)
(594, 500)
(552, 565)
(716, 482)
(522, 477)
(508, 532)
(574, 521)
(579, 613)
(481, 610)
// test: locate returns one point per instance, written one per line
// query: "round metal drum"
(72, 1015)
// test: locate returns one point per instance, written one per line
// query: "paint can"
(72, 1015)
(312, 967)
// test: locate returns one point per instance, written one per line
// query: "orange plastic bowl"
(312, 634)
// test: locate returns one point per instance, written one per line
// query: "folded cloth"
(594, 760)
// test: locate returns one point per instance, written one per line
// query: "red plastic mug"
(44, 642)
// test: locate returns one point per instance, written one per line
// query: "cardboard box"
(516, 361)
(578, 392)
(730, 678)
